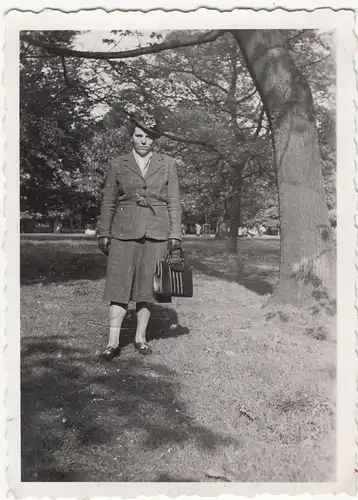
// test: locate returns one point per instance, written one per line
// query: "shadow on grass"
(55, 262)
(257, 282)
(255, 266)
(163, 324)
(167, 478)
(78, 415)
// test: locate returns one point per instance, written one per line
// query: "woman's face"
(142, 142)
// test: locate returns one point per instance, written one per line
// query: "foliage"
(209, 111)
(55, 126)
(268, 217)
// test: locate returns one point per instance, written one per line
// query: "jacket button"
(145, 187)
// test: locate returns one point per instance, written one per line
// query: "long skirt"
(130, 270)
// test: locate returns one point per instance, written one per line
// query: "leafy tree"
(287, 102)
(55, 124)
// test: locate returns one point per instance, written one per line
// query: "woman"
(140, 220)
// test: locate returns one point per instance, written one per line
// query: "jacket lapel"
(130, 163)
(155, 164)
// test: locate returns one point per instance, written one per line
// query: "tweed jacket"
(121, 215)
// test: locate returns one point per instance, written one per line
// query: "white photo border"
(344, 23)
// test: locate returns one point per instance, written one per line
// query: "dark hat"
(148, 125)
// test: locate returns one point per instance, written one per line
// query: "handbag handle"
(177, 264)
(169, 253)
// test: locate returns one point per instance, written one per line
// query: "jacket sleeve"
(108, 205)
(173, 203)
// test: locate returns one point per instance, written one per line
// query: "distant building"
(190, 223)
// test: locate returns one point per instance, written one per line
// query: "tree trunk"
(235, 211)
(307, 254)
(219, 233)
(217, 229)
(234, 225)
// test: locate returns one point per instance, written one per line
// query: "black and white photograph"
(178, 222)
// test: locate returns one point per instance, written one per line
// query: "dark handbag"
(173, 277)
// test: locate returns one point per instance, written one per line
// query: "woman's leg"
(144, 310)
(117, 313)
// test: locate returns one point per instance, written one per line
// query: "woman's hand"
(103, 244)
(174, 244)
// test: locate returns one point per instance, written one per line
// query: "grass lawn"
(234, 391)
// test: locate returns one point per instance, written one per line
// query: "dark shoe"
(109, 353)
(143, 348)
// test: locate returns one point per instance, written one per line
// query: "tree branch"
(203, 98)
(231, 101)
(311, 63)
(204, 80)
(65, 75)
(172, 137)
(246, 97)
(199, 77)
(196, 142)
(259, 125)
(208, 36)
